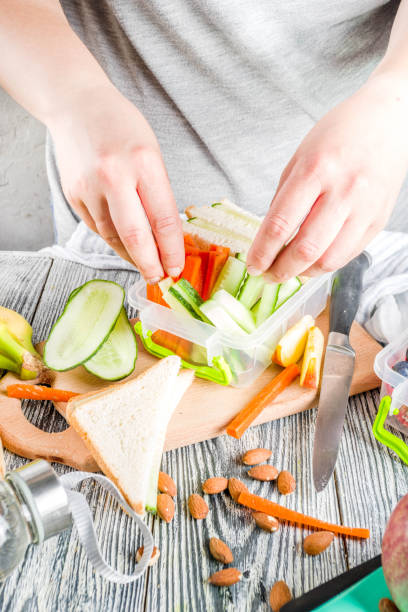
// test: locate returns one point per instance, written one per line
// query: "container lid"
(45, 497)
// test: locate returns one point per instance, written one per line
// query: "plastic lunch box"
(217, 356)
(393, 409)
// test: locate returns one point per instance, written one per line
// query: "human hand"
(113, 176)
(340, 186)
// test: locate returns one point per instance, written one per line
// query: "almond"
(235, 487)
(317, 542)
(386, 605)
(153, 558)
(266, 522)
(165, 507)
(197, 506)
(220, 551)
(279, 596)
(225, 577)
(286, 483)
(263, 472)
(166, 484)
(256, 455)
(215, 485)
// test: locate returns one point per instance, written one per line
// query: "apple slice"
(312, 359)
(292, 345)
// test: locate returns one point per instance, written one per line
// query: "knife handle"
(346, 293)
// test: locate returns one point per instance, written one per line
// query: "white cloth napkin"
(384, 305)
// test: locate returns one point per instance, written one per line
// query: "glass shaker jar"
(33, 507)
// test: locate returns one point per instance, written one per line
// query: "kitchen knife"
(338, 368)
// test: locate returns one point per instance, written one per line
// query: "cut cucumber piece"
(221, 319)
(236, 310)
(233, 356)
(178, 303)
(231, 276)
(86, 322)
(165, 284)
(117, 356)
(188, 297)
(188, 290)
(251, 290)
(241, 257)
(286, 290)
(267, 302)
(255, 309)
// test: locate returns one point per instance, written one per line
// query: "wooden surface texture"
(368, 482)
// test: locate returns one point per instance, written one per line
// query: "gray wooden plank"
(57, 576)
(178, 581)
(370, 478)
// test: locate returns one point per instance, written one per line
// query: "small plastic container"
(212, 354)
(394, 384)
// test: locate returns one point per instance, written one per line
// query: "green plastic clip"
(386, 437)
(219, 372)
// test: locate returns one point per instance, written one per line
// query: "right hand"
(113, 176)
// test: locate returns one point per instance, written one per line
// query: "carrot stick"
(191, 271)
(39, 392)
(240, 423)
(188, 239)
(269, 507)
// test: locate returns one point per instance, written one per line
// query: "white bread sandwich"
(124, 426)
(222, 223)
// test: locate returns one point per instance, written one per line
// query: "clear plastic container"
(394, 384)
(217, 356)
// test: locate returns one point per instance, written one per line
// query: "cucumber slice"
(241, 257)
(251, 290)
(267, 302)
(231, 276)
(117, 356)
(86, 322)
(221, 319)
(286, 290)
(178, 303)
(186, 291)
(165, 284)
(236, 310)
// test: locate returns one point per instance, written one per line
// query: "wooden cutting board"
(203, 413)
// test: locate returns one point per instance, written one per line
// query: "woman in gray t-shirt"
(152, 103)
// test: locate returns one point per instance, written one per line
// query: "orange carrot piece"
(151, 292)
(191, 271)
(191, 250)
(188, 239)
(240, 423)
(21, 391)
(216, 262)
(166, 339)
(220, 249)
(269, 507)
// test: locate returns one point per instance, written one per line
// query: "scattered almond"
(235, 487)
(165, 507)
(263, 472)
(215, 485)
(286, 483)
(266, 522)
(225, 577)
(317, 542)
(166, 484)
(153, 558)
(386, 605)
(279, 596)
(220, 551)
(197, 506)
(256, 455)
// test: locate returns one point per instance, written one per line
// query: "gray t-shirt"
(230, 87)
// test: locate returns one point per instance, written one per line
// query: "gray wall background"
(25, 212)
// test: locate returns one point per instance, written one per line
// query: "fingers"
(160, 206)
(293, 201)
(316, 234)
(130, 221)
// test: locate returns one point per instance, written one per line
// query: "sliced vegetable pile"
(93, 331)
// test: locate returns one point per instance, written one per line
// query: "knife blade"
(338, 368)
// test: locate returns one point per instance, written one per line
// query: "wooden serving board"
(203, 412)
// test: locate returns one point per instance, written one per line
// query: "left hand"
(339, 187)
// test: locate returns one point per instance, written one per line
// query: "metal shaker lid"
(45, 497)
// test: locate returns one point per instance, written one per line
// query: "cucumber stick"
(221, 319)
(236, 310)
(231, 276)
(116, 357)
(267, 302)
(88, 318)
(287, 289)
(251, 290)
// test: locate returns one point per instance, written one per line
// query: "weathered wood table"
(368, 482)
